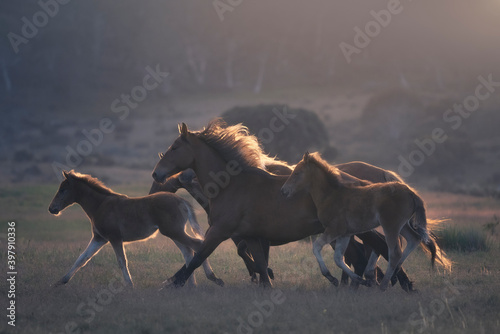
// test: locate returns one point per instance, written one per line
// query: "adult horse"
(245, 200)
(187, 180)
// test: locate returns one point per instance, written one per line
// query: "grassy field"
(467, 300)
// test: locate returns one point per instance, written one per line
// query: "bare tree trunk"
(6, 77)
(262, 72)
(198, 63)
(228, 69)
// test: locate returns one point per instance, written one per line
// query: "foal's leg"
(213, 238)
(412, 241)
(318, 245)
(195, 244)
(122, 261)
(340, 248)
(393, 245)
(94, 246)
(188, 254)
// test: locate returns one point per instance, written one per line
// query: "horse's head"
(178, 157)
(299, 179)
(65, 195)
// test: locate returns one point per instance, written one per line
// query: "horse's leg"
(241, 245)
(213, 238)
(188, 254)
(318, 245)
(122, 261)
(265, 247)
(93, 247)
(393, 245)
(404, 281)
(377, 242)
(355, 256)
(412, 241)
(370, 268)
(340, 248)
(255, 247)
(195, 244)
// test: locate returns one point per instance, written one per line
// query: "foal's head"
(307, 170)
(300, 179)
(178, 157)
(65, 195)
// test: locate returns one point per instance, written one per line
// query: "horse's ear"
(306, 156)
(183, 129)
(65, 174)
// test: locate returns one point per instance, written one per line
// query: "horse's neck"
(321, 190)
(172, 185)
(210, 166)
(89, 199)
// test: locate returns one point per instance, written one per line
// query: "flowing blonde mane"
(236, 143)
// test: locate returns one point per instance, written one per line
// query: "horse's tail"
(420, 225)
(195, 226)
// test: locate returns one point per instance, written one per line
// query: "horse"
(119, 219)
(187, 180)
(245, 199)
(356, 253)
(345, 210)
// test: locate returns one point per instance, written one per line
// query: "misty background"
(65, 79)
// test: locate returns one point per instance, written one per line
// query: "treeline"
(60, 53)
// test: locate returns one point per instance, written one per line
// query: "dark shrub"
(284, 132)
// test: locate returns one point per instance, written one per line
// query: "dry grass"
(465, 301)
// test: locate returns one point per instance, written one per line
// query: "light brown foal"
(345, 210)
(117, 219)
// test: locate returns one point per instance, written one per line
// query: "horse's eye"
(173, 148)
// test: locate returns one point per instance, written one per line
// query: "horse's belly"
(359, 225)
(142, 234)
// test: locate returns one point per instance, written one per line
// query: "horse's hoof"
(216, 280)
(370, 282)
(365, 283)
(59, 283)
(270, 273)
(266, 285)
(254, 279)
(176, 284)
(168, 281)
(383, 287)
(333, 280)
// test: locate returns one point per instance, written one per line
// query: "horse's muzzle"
(53, 211)
(285, 192)
(159, 178)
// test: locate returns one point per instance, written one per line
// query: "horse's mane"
(92, 182)
(332, 173)
(236, 143)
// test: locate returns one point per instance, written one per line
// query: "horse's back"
(365, 171)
